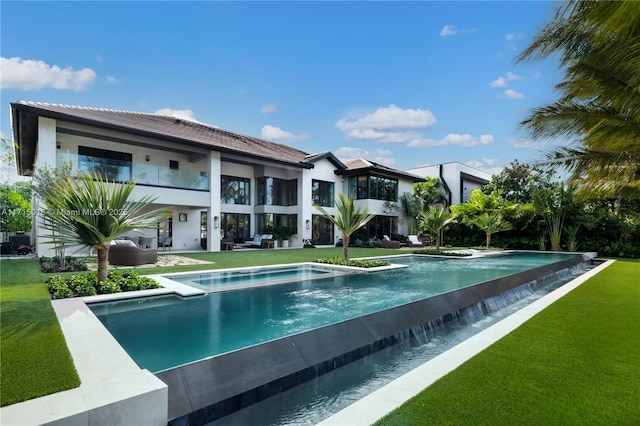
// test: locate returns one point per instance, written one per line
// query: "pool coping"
(113, 389)
(381, 402)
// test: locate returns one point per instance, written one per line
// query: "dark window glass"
(114, 165)
(173, 164)
(322, 193)
(276, 192)
(234, 190)
(235, 226)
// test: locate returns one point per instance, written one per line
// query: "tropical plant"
(491, 223)
(598, 43)
(553, 206)
(433, 220)
(88, 211)
(431, 192)
(411, 206)
(349, 218)
(572, 237)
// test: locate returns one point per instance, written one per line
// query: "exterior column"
(45, 157)
(213, 212)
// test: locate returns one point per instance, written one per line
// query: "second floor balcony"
(142, 173)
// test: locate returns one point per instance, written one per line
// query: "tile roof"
(170, 128)
(362, 164)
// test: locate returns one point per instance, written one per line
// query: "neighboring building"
(458, 179)
(218, 184)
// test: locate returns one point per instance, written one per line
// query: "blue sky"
(403, 84)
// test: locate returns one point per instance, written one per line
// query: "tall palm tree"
(491, 223)
(433, 220)
(599, 106)
(348, 219)
(88, 211)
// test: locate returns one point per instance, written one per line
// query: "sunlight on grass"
(574, 363)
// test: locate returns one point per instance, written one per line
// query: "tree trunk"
(345, 246)
(488, 240)
(103, 256)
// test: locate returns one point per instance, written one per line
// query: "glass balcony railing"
(141, 173)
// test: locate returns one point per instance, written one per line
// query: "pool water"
(167, 331)
(223, 280)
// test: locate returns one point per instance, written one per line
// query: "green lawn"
(35, 358)
(575, 363)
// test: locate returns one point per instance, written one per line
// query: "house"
(218, 184)
(458, 179)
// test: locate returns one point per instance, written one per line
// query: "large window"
(374, 187)
(322, 193)
(377, 227)
(114, 165)
(235, 226)
(322, 232)
(268, 221)
(276, 192)
(234, 190)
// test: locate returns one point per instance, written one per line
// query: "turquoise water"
(166, 331)
(220, 280)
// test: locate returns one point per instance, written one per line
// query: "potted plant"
(285, 234)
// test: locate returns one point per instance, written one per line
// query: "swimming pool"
(163, 332)
(253, 277)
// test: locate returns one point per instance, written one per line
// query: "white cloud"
(184, 114)
(381, 156)
(29, 74)
(514, 36)
(276, 133)
(448, 30)
(113, 80)
(503, 81)
(489, 165)
(452, 139)
(386, 125)
(269, 108)
(499, 82)
(512, 94)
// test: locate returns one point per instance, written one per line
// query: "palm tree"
(349, 218)
(491, 223)
(90, 212)
(433, 220)
(599, 48)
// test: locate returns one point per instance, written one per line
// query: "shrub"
(87, 285)
(62, 264)
(81, 286)
(353, 262)
(442, 253)
(58, 287)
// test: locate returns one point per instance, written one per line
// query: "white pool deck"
(115, 391)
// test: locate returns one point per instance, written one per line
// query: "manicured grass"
(575, 363)
(35, 357)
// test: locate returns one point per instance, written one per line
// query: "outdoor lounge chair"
(124, 252)
(388, 243)
(260, 241)
(414, 241)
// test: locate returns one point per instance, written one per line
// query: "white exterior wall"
(45, 157)
(451, 173)
(323, 170)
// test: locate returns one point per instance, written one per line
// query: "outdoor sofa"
(126, 253)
